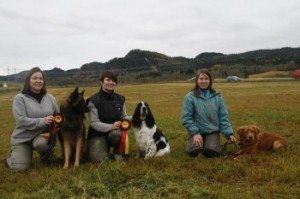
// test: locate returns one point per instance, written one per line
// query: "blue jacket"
(205, 114)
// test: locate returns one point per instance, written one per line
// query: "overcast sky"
(70, 33)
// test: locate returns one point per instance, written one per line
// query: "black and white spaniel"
(151, 142)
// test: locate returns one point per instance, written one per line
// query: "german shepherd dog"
(72, 130)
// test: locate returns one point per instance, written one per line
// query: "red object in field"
(297, 74)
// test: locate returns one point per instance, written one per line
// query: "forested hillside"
(146, 66)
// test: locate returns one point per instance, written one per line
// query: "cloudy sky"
(70, 33)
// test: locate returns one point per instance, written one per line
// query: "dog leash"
(229, 153)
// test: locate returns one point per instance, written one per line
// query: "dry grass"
(273, 106)
(271, 74)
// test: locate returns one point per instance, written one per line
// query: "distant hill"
(144, 66)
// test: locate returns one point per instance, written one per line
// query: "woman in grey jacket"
(205, 116)
(33, 111)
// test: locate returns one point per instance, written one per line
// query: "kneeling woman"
(205, 116)
(33, 111)
(107, 109)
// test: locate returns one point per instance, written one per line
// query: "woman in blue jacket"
(205, 116)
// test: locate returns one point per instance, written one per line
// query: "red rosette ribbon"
(125, 125)
(58, 118)
(54, 128)
(124, 143)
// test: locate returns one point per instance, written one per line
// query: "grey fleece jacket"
(29, 116)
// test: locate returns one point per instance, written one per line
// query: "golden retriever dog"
(251, 141)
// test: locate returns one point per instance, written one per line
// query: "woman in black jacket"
(107, 109)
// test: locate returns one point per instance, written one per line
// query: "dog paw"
(66, 167)
(148, 156)
(240, 157)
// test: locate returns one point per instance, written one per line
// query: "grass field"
(273, 106)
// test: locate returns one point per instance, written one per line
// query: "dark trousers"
(211, 146)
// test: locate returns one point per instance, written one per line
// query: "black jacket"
(109, 106)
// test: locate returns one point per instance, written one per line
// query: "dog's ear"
(136, 121)
(256, 130)
(74, 94)
(150, 121)
(82, 92)
(240, 131)
(76, 89)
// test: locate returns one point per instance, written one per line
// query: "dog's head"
(77, 102)
(248, 134)
(142, 113)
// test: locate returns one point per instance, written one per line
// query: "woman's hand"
(232, 139)
(198, 140)
(116, 125)
(49, 120)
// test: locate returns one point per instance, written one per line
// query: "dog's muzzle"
(250, 137)
(144, 112)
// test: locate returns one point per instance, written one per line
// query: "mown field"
(273, 106)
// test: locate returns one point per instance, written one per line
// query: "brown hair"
(28, 76)
(110, 75)
(196, 87)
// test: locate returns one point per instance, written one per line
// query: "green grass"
(273, 106)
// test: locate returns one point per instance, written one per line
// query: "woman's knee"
(212, 146)
(20, 158)
(191, 149)
(20, 166)
(194, 153)
(210, 153)
(114, 138)
(98, 149)
(40, 144)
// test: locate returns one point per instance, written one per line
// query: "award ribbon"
(54, 127)
(124, 143)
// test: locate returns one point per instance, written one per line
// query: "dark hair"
(196, 87)
(109, 75)
(28, 76)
